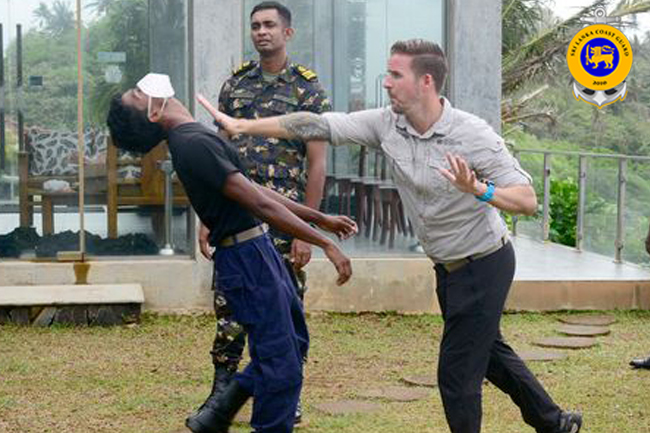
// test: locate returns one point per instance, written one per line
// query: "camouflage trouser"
(230, 339)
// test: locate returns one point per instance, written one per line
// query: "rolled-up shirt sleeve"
(492, 161)
(363, 128)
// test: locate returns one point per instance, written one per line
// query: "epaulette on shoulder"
(307, 74)
(245, 67)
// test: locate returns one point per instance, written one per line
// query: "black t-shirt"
(203, 161)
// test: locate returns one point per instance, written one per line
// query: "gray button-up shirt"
(450, 224)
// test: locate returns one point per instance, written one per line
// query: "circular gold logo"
(599, 57)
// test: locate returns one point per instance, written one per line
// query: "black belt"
(457, 264)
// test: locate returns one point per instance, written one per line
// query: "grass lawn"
(148, 377)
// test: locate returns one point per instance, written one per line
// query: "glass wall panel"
(41, 172)
(601, 197)
(347, 42)
(125, 193)
(636, 213)
(39, 182)
(601, 209)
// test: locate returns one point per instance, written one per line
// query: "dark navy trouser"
(263, 300)
(472, 348)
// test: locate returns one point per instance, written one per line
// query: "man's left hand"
(340, 225)
(300, 253)
(461, 176)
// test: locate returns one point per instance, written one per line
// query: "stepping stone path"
(566, 342)
(396, 393)
(582, 330)
(345, 407)
(423, 380)
(589, 320)
(540, 355)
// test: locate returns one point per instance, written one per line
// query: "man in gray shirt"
(437, 155)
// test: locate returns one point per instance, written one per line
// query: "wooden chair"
(146, 190)
(31, 191)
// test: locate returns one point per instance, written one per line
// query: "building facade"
(67, 195)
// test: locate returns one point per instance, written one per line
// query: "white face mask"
(156, 86)
(149, 105)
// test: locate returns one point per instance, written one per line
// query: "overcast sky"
(567, 8)
(13, 12)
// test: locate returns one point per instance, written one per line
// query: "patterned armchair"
(113, 178)
(135, 180)
(53, 156)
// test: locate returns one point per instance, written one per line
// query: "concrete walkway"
(549, 277)
(553, 262)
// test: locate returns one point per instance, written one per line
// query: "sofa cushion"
(54, 153)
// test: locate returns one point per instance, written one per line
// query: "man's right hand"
(341, 263)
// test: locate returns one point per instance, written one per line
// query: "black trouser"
(472, 347)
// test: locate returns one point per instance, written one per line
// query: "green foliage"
(56, 20)
(120, 29)
(563, 211)
(50, 51)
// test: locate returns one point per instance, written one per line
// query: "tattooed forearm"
(306, 126)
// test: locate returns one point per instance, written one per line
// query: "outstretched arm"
(243, 191)
(341, 226)
(302, 125)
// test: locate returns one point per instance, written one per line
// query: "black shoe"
(218, 413)
(298, 419)
(641, 363)
(570, 422)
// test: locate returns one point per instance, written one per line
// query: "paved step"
(72, 294)
(83, 304)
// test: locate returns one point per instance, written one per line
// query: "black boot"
(217, 413)
(222, 377)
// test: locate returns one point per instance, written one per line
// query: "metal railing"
(583, 157)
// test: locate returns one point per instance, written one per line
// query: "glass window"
(347, 43)
(58, 160)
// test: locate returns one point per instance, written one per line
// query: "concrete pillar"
(474, 52)
(217, 44)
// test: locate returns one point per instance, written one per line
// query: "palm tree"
(56, 20)
(100, 6)
(534, 46)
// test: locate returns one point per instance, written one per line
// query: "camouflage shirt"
(276, 163)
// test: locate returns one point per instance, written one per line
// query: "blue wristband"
(487, 196)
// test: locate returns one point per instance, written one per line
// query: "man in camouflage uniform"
(270, 87)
